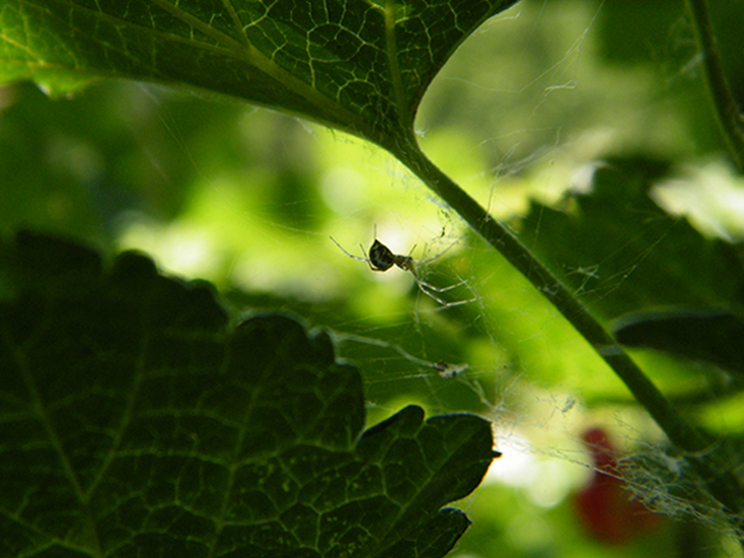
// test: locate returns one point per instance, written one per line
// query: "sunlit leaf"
(359, 65)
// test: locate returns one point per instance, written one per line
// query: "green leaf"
(622, 253)
(712, 334)
(358, 65)
(136, 422)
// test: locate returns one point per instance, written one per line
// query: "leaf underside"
(649, 265)
(136, 422)
(358, 65)
(706, 334)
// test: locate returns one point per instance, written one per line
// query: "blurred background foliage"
(540, 110)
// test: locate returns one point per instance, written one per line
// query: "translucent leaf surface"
(359, 65)
(622, 253)
(135, 422)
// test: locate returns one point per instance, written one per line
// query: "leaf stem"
(721, 483)
(728, 114)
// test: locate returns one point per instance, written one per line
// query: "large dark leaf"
(135, 422)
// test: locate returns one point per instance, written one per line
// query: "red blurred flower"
(604, 506)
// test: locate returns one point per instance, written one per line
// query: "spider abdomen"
(380, 256)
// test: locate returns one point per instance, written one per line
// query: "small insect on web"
(381, 259)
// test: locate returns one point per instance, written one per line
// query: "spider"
(381, 259)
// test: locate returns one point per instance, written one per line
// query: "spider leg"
(423, 283)
(423, 287)
(348, 254)
(429, 290)
(444, 303)
(437, 255)
(409, 265)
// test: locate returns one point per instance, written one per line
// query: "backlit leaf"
(358, 65)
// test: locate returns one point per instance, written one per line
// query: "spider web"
(525, 123)
(527, 370)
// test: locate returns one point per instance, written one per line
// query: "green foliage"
(355, 65)
(136, 422)
(623, 252)
(709, 334)
(591, 239)
(121, 456)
